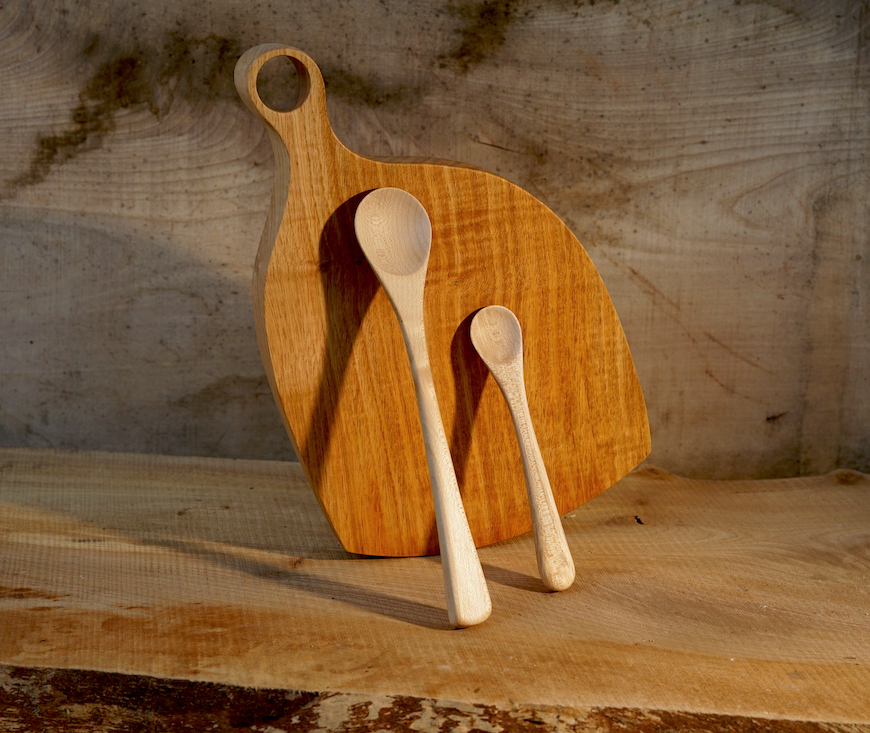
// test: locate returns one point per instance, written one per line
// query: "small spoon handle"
(468, 601)
(498, 339)
(554, 558)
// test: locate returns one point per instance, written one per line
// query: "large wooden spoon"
(498, 338)
(395, 235)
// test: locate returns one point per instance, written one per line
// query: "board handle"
(311, 98)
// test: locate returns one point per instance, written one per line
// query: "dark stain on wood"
(641, 721)
(74, 700)
(197, 69)
(71, 700)
(653, 472)
(484, 27)
(116, 85)
(23, 593)
(847, 477)
(482, 32)
(371, 92)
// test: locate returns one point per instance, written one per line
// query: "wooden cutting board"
(337, 364)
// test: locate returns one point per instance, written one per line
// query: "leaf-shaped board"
(335, 358)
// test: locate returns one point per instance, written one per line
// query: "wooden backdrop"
(711, 156)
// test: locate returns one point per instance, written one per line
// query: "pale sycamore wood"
(220, 570)
(395, 234)
(498, 338)
(335, 357)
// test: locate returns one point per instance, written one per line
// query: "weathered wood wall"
(712, 156)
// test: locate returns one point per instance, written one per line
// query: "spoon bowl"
(496, 332)
(394, 231)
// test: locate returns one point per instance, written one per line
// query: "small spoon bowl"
(496, 332)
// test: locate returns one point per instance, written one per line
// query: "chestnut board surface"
(744, 598)
(336, 361)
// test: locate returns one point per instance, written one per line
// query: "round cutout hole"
(282, 84)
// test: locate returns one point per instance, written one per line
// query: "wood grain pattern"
(226, 571)
(335, 356)
(710, 156)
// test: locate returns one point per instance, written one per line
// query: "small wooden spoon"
(395, 235)
(498, 338)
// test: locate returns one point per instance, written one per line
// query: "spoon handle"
(468, 601)
(554, 557)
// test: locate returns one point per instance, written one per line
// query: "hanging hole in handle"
(283, 84)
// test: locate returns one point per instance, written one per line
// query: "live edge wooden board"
(335, 358)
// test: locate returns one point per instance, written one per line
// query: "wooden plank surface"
(738, 598)
(712, 157)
